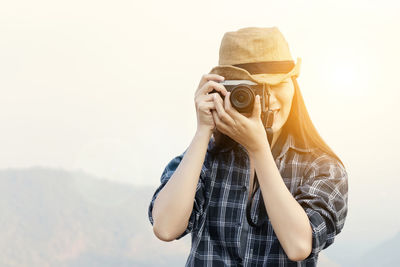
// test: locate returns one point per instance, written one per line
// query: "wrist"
(204, 131)
(258, 149)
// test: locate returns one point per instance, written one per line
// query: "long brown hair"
(298, 124)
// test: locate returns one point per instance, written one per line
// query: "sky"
(107, 87)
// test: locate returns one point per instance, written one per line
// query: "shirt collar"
(287, 141)
(283, 144)
(298, 145)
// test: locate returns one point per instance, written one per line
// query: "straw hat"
(257, 54)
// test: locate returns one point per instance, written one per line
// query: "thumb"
(257, 108)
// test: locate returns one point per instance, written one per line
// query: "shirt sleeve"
(198, 201)
(323, 194)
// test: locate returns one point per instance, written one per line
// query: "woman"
(257, 188)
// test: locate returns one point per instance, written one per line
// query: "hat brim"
(230, 72)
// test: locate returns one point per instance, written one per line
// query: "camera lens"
(242, 99)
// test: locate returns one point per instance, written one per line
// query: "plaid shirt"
(316, 180)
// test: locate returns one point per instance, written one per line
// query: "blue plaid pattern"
(316, 180)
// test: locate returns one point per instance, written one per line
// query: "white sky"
(107, 86)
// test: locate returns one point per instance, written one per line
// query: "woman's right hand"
(204, 101)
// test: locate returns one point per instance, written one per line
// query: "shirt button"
(244, 188)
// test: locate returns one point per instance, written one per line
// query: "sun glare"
(343, 78)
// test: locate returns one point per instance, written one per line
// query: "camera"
(243, 94)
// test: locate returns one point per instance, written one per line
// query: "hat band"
(272, 67)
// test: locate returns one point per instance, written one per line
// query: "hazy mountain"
(384, 255)
(57, 218)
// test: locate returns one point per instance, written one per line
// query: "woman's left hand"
(247, 131)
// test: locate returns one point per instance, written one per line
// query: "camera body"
(243, 94)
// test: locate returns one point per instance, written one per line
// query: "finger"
(229, 109)
(207, 107)
(208, 77)
(205, 98)
(212, 85)
(218, 123)
(256, 108)
(221, 111)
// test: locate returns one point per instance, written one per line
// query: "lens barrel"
(242, 99)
